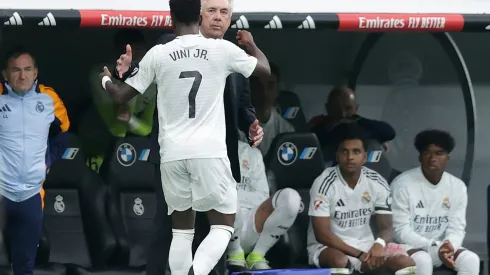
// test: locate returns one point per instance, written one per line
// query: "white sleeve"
(401, 219)
(259, 177)
(455, 231)
(319, 200)
(238, 60)
(382, 204)
(146, 72)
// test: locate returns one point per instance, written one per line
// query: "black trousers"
(159, 245)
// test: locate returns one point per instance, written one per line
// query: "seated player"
(429, 209)
(342, 200)
(260, 219)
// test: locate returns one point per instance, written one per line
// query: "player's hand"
(376, 256)
(446, 254)
(386, 147)
(105, 72)
(245, 38)
(256, 133)
(123, 113)
(124, 62)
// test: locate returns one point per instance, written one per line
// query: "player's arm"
(455, 231)
(57, 138)
(319, 212)
(240, 62)
(246, 112)
(259, 177)
(402, 217)
(382, 208)
(141, 125)
(138, 81)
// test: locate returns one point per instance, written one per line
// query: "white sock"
(468, 263)
(234, 247)
(423, 262)
(180, 255)
(211, 249)
(286, 203)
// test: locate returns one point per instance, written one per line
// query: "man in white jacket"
(260, 219)
(429, 209)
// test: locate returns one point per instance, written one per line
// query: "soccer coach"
(239, 114)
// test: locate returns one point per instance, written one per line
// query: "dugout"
(416, 65)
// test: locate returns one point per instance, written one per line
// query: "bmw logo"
(287, 153)
(126, 154)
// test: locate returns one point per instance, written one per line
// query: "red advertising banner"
(125, 19)
(401, 22)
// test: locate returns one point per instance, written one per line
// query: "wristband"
(381, 242)
(360, 254)
(104, 81)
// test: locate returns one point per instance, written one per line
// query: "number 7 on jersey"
(193, 92)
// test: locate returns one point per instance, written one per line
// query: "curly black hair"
(434, 137)
(186, 11)
(350, 131)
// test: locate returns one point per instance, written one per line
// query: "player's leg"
(23, 232)
(236, 254)
(176, 188)
(214, 192)
(423, 261)
(333, 258)
(467, 262)
(272, 219)
(400, 265)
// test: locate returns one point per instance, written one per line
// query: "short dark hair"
(127, 36)
(350, 131)
(15, 52)
(436, 137)
(275, 70)
(186, 11)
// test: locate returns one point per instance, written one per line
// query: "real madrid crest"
(39, 107)
(366, 198)
(446, 205)
(245, 164)
(138, 207)
(126, 154)
(287, 153)
(59, 205)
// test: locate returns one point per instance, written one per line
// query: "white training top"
(350, 210)
(190, 73)
(424, 213)
(253, 188)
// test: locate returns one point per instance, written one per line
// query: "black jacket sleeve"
(378, 130)
(246, 112)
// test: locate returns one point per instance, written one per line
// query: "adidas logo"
(48, 20)
(275, 23)
(241, 23)
(309, 23)
(14, 20)
(420, 205)
(340, 203)
(5, 108)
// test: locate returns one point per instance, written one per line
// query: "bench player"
(429, 209)
(342, 200)
(190, 74)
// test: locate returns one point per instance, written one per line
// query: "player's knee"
(288, 200)
(468, 261)
(332, 258)
(402, 261)
(423, 262)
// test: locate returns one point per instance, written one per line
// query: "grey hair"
(229, 1)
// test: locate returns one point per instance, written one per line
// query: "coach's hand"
(376, 256)
(124, 62)
(256, 133)
(105, 72)
(245, 38)
(446, 254)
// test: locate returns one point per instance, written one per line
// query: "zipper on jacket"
(23, 165)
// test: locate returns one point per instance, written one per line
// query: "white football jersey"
(424, 213)
(190, 73)
(350, 210)
(253, 188)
